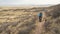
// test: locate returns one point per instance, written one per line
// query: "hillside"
(52, 24)
(25, 20)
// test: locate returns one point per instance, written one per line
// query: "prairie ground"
(25, 20)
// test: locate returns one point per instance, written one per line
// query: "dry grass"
(23, 21)
(17, 21)
(52, 25)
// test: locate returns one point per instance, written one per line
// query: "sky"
(28, 2)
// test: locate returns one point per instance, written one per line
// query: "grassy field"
(24, 20)
(17, 21)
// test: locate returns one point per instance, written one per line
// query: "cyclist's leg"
(40, 19)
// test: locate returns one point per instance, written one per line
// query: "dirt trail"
(39, 27)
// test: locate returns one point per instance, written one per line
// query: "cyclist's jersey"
(40, 14)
